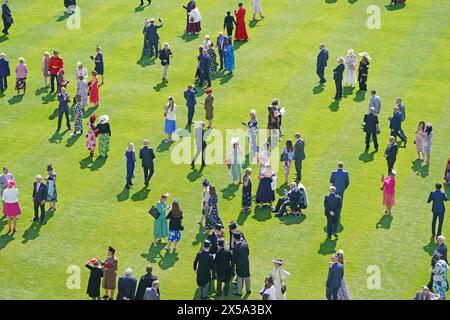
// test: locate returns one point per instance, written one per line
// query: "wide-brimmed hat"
(152, 20)
(365, 54)
(11, 183)
(104, 119)
(165, 195)
(278, 261)
(340, 59)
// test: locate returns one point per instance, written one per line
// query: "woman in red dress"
(241, 30)
(93, 90)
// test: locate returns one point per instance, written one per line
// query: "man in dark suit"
(299, 155)
(221, 44)
(340, 179)
(334, 279)
(126, 286)
(145, 282)
(322, 59)
(147, 155)
(214, 237)
(291, 199)
(6, 17)
(191, 101)
(391, 153)
(438, 198)
(188, 9)
(204, 69)
(228, 23)
(333, 206)
(63, 108)
(395, 125)
(4, 72)
(241, 264)
(203, 265)
(39, 198)
(338, 76)
(151, 35)
(233, 229)
(370, 127)
(222, 261)
(440, 252)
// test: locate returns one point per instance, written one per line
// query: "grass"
(409, 55)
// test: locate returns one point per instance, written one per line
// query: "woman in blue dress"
(229, 56)
(52, 196)
(266, 193)
(98, 60)
(130, 156)
(212, 217)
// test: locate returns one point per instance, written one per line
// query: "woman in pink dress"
(93, 90)
(92, 135)
(11, 207)
(389, 191)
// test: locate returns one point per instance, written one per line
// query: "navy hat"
(232, 225)
(218, 226)
(205, 183)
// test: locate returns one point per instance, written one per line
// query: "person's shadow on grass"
(318, 89)
(41, 90)
(348, 91)
(57, 137)
(4, 38)
(71, 141)
(33, 231)
(367, 156)
(153, 252)
(195, 174)
(242, 217)
(164, 146)
(291, 219)
(124, 195)
(327, 247)
(168, 260)
(63, 17)
(5, 239)
(200, 236)
(50, 97)
(141, 194)
(420, 170)
(430, 247)
(334, 106)
(89, 163)
(384, 222)
(146, 61)
(188, 37)
(253, 23)
(15, 99)
(360, 96)
(229, 192)
(396, 6)
(225, 78)
(262, 214)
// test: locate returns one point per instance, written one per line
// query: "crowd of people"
(219, 260)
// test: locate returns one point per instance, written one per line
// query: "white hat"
(364, 54)
(350, 51)
(152, 20)
(340, 59)
(104, 119)
(235, 140)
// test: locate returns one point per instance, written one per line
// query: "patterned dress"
(212, 61)
(246, 194)
(213, 217)
(419, 140)
(440, 284)
(91, 138)
(78, 117)
(52, 196)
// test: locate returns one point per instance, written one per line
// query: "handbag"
(283, 285)
(284, 157)
(154, 212)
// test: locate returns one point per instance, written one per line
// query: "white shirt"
(171, 114)
(10, 195)
(271, 292)
(195, 15)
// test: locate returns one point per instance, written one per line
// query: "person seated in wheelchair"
(295, 199)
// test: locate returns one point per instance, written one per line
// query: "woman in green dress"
(235, 161)
(160, 228)
(104, 136)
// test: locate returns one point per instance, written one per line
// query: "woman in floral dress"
(418, 141)
(92, 135)
(44, 67)
(77, 117)
(212, 59)
(52, 196)
(235, 161)
(350, 70)
(247, 191)
(175, 217)
(212, 217)
(440, 284)
(287, 155)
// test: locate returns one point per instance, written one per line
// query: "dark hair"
(289, 145)
(422, 122)
(428, 129)
(374, 92)
(176, 211)
(228, 12)
(212, 191)
(149, 269)
(438, 185)
(268, 281)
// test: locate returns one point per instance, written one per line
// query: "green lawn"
(410, 56)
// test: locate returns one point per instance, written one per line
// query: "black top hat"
(237, 236)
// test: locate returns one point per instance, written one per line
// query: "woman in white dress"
(82, 91)
(343, 293)
(268, 292)
(279, 277)
(427, 140)
(80, 71)
(264, 156)
(257, 8)
(350, 70)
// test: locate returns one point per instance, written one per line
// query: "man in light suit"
(371, 128)
(221, 44)
(391, 153)
(438, 198)
(4, 177)
(147, 155)
(322, 59)
(338, 76)
(340, 180)
(126, 286)
(191, 101)
(333, 206)
(299, 155)
(152, 293)
(334, 279)
(375, 102)
(200, 143)
(39, 198)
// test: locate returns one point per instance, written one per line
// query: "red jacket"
(56, 64)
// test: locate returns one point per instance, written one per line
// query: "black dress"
(95, 279)
(363, 72)
(247, 195)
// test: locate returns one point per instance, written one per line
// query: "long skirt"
(265, 194)
(78, 118)
(246, 201)
(389, 199)
(103, 144)
(194, 27)
(11, 209)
